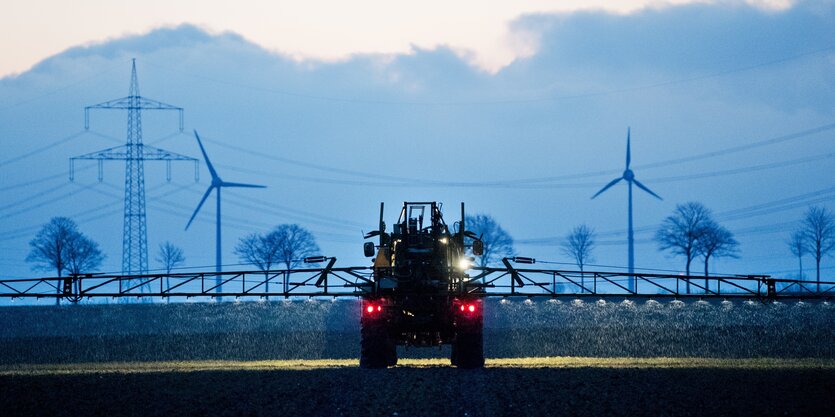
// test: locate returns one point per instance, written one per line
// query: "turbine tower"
(134, 153)
(216, 184)
(629, 176)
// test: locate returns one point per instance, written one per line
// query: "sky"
(316, 29)
(519, 112)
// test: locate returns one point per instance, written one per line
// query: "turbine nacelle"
(628, 174)
(217, 183)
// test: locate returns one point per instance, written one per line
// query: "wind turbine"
(217, 184)
(629, 176)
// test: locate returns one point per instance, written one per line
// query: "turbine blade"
(643, 187)
(202, 200)
(238, 184)
(628, 150)
(206, 157)
(614, 181)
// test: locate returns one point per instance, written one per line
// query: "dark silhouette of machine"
(420, 294)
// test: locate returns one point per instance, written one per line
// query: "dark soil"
(427, 392)
(313, 330)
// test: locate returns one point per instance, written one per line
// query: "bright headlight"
(464, 263)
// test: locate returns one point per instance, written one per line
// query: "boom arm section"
(331, 281)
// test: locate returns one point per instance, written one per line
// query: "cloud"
(691, 41)
(318, 30)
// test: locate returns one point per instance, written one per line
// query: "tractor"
(420, 294)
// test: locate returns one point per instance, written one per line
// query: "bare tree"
(497, 242)
(49, 247)
(716, 241)
(83, 255)
(293, 244)
(819, 230)
(797, 246)
(261, 251)
(680, 232)
(579, 245)
(169, 256)
(60, 247)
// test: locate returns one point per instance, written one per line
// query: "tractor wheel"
(377, 348)
(391, 353)
(453, 357)
(468, 348)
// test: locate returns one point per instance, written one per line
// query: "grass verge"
(301, 365)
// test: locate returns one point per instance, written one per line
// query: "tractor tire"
(391, 353)
(468, 347)
(377, 348)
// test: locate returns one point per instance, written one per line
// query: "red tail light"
(469, 308)
(371, 308)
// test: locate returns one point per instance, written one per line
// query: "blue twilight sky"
(730, 104)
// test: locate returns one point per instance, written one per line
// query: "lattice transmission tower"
(134, 153)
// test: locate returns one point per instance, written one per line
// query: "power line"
(165, 138)
(248, 222)
(742, 170)
(280, 210)
(30, 198)
(783, 204)
(41, 180)
(415, 184)
(41, 149)
(528, 182)
(54, 200)
(166, 206)
(765, 208)
(104, 136)
(79, 217)
(158, 203)
(740, 148)
(311, 165)
(678, 178)
(83, 216)
(247, 225)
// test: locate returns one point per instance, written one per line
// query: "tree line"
(690, 232)
(60, 247)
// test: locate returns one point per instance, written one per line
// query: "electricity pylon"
(134, 153)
